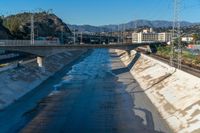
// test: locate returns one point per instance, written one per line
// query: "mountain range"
(129, 25)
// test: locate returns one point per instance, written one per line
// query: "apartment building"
(151, 36)
(164, 37)
(144, 37)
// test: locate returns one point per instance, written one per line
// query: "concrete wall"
(8, 67)
(14, 65)
(174, 93)
(16, 82)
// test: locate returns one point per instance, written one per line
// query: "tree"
(13, 24)
(195, 37)
(1, 19)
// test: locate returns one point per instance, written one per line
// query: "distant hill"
(89, 28)
(45, 25)
(130, 25)
(192, 29)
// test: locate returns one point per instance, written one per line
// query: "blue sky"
(101, 12)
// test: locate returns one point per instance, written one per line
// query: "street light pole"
(32, 30)
(81, 37)
(100, 36)
(62, 35)
(124, 33)
(118, 34)
(74, 36)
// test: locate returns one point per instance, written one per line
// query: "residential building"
(144, 37)
(187, 39)
(164, 37)
(135, 37)
(151, 36)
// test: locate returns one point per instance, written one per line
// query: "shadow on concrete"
(149, 118)
(146, 122)
(149, 126)
(115, 55)
(156, 83)
(138, 123)
(127, 69)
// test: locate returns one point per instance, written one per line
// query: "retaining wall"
(18, 81)
(176, 94)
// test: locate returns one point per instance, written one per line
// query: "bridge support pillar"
(149, 49)
(40, 61)
(129, 53)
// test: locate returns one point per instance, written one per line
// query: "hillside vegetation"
(4, 33)
(187, 57)
(46, 25)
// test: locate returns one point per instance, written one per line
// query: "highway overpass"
(51, 49)
(44, 50)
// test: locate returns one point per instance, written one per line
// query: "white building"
(187, 39)
(150, 36)
(164, 37)
(135, 37)
(144, 37)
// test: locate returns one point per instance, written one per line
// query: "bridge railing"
(27, 42)
(4, 43)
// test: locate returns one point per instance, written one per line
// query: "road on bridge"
(45, 50)
(98, 95)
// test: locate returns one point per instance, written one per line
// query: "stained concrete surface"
(16, 82)
(173, 92)
(14, 116)
(97, 95)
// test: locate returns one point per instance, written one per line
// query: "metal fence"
(27, 42)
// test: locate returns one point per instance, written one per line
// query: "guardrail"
(27, 42)
(49, 43)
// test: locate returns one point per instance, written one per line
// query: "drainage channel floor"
(96, 96)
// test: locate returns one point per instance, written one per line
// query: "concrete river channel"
(95, 94)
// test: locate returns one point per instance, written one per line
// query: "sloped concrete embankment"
(174, 93)
(15, 83)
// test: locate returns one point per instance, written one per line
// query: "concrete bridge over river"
(45, 49)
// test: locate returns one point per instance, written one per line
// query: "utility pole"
(100, 37)
(121, 34)
(110, 36)
(74, 36)
(81, 37)
(180, 49)
(176, 35)
(62, 35)
(124, 26)
(32, 30)
(118, 34)
(135, 26)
